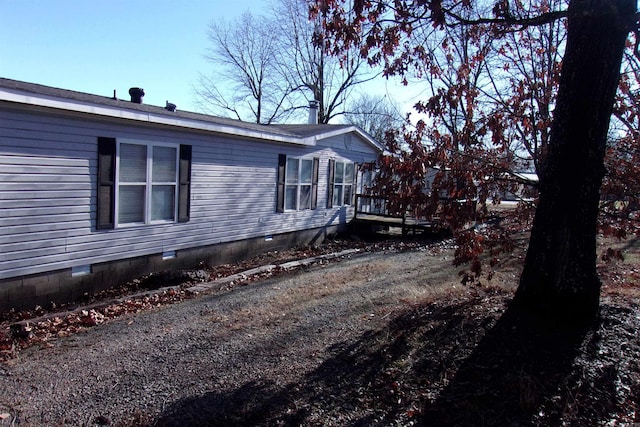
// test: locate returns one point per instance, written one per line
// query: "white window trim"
(149, 183)
(299, 184)
(343, 184)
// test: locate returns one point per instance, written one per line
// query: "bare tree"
(316, 75)
(246, 83)
(375, 115)
(267, 68)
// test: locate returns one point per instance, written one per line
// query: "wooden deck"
(372, 214)
(409, 225)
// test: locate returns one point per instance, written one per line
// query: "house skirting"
(64, 286)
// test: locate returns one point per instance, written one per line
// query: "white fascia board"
(355, 129)
(527, 176)
(141, 116)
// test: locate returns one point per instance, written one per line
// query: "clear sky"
(97, 46)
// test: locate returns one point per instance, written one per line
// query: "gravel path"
(138, 369)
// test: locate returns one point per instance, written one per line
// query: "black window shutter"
(106, 183)
(184, 187)
(314, 185)
(332, 169)
(282, 164)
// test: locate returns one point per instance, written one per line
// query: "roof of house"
(25, 93)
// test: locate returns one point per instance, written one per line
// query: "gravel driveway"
(180, 363)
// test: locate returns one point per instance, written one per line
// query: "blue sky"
(97, 46)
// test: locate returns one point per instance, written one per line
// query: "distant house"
(97, 190)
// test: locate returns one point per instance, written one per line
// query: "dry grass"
(391, 338)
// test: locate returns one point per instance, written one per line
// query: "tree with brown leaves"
(474, 148)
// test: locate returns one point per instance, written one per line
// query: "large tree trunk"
(559, 277)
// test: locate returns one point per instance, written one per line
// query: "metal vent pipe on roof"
(313, 112)
(137, 94)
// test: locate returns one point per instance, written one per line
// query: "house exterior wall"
(48, 192)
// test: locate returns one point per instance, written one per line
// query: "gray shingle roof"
(295, 131)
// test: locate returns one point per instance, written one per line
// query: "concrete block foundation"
(61, 286)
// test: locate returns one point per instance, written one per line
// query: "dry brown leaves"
(41, 330)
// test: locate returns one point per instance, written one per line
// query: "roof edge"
(36, 95)
(122, 112)
(351, 128)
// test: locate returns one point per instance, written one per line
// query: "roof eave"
(121, 112)
(312, 140)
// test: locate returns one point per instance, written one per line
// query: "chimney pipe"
(136, 94)
(313, 112)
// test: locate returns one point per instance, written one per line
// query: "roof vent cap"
(137, 94)
(313, 112)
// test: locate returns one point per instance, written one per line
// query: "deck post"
(404, 222)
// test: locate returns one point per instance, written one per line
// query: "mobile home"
(96, 190)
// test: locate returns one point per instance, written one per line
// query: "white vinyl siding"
(48, 192)
(147, 183)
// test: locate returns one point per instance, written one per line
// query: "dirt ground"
(381, 336)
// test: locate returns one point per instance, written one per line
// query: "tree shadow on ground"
(464, 362)
(518, 368)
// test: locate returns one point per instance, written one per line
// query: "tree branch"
(508, 20)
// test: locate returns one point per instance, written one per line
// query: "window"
(147, 183)
(342, 178)
(368, 178)
(142, 183)
(297, 183)
(369, 202)
(297, 194)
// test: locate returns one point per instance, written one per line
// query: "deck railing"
(375, 208)
(368, 204)
(372, 206)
